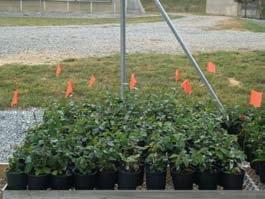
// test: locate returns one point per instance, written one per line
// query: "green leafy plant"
(232, 161)
(16, 163)
(182, 162)
(156, 162)
(84, 160)
(108, 153)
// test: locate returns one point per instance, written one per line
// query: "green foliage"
(85, 158)
(255, 135)
(156, 162)
(17, 161)
(195, 6)
(109, 134)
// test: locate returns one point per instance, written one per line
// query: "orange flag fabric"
(177, 75)
(91, 81)
(58, 70)
(15, 99)
(211, 67)
(255, 98)
(186, 86)
(69, 89)
(132, 82)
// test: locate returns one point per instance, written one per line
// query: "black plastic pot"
(155, 181)
(85, 182)
(256, 167)
(59, 182)
(106, 180)
(140, 179)
(40, 182)
(128, 180)
(16, 180)
(262, 171)
(207, 180)
(182, 181)
(232, 181)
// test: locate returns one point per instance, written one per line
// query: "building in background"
(241, 8)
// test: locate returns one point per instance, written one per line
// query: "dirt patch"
(234, 82)
(34, 59)
(230, 24)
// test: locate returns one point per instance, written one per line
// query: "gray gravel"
(51, 44)
(13, 123)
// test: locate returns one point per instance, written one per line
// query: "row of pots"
(126, 180)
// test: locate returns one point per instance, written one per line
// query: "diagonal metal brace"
(188, 53)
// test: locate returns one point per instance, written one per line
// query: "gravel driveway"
(51, 44)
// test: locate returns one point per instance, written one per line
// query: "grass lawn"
(39, 21)
(194, 6)
(237, 73)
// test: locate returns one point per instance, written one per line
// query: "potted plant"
(158, 145)
(260, 161)
(235, 121)
(37, 169)
(16, 178)
(130, 156)
(60, 165)
(232, 175)
(156, 168)
(85, 166)
(108, 157)
(254, 140)
(182, 170)
(207, 175)
(129, 171)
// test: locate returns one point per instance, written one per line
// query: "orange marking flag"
(211, 67)
(91, 81)
(177, 75)
(186, 86)
(255, 98)
(58, 70)
(69, 88)
(132, 82)
(15, 99)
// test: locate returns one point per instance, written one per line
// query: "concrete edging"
(72, 194)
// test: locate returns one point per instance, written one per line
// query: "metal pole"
(91, 7)
(44, 5)
(123, 46)
(188, 53)
(40, 7)
(21, 6)
(114, 6)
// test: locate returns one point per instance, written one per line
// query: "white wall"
(222, 7)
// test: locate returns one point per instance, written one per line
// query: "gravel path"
(34, 45)
(51, 44)
(12, 125)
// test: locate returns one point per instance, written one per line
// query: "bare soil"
(230, 23)
(234, 82)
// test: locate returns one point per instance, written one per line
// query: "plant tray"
(252, 188)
